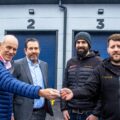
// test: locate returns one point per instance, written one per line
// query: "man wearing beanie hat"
(85, 36)
(77, 71)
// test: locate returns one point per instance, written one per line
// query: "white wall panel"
(50, 17)
(59, 78)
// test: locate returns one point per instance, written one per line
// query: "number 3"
(100, 23)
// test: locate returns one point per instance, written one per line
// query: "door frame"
(39, 31)
(73, 35)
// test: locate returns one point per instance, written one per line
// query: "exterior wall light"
(31, 11)
(100, 11)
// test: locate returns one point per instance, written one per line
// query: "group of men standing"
(90, 86)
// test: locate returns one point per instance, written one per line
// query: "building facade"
(55, 25)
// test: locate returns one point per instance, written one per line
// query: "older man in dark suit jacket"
(33, 71)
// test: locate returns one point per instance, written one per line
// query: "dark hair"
(31, 40)
(114, 37)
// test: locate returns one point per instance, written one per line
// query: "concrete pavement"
(57, 113)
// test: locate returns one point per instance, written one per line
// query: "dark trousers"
(80, 116)
(39, 114)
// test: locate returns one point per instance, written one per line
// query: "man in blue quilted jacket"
(9, 84)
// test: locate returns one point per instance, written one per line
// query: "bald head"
(9, 46)
(10, 38)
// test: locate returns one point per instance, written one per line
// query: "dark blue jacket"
(9, 85)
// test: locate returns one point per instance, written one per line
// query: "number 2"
(31, 24)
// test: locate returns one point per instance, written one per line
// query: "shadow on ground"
(57, 113)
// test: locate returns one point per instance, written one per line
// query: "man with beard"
(77, 71)
(105, 81)
(33, 71)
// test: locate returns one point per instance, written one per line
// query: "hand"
(92, 117)
(49, 93)
(12, 117)
(66, 115)
(66, 94)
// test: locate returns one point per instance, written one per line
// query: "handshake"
(50, 93)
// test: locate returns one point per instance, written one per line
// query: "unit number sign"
(31, 24)
(100, 24)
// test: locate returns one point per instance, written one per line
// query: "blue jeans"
(76, 116)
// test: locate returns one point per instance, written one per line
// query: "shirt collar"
(6, 63)
(2, 59)
(31, 63)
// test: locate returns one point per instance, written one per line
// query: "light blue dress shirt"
(37, 80)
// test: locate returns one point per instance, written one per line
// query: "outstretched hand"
(66, 94)
(49, 93)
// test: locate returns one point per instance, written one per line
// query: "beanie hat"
(85, 36)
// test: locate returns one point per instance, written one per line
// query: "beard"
(33, 59)
(82, 54)
(115, 58)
